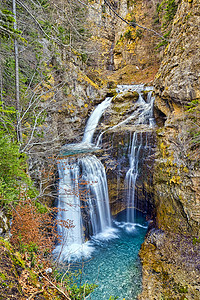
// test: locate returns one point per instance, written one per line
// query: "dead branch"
(58, 289)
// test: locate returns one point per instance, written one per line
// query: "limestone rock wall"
(177, 103)
(170, 267)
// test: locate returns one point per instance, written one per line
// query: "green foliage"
(192, 105)
(6, 22)
(75, 289)
(6, 26)
(80, 292)
(44, 3)
(163, 42)
(139, 33)
(156, 20)
(41, 208)
(46, 25)
(13, 177)
(7, 118)
(167, 9)
(84, 57)
(113, 298)
(128, 34)
(31, 250)
(196, 240)
(170, 11)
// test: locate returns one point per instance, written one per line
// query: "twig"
(56, 287)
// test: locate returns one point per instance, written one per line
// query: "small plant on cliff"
(128, 35)
(166, 11)
(196, 240)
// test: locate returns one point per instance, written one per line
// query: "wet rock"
(144, 95)
(111, 85)
(124, 96)
(111, 93)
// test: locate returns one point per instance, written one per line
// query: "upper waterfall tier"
(94, 120)
(142, 110)
(92, 123)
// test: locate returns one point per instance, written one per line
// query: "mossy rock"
(10, 270)
(125, 96)
(122, 108)
(111, 93)
(112, 84)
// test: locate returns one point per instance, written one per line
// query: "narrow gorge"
(105, 162)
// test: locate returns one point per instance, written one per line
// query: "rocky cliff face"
(177, 100)
(174, 273)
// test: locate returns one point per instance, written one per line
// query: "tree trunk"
(17, 96)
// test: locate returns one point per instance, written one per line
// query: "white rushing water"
(86, 145)
(94, 120)
(143, 113)
(144, 117)
(83, 194)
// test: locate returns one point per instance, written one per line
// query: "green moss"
(121, 108)
(128, 35)
(2, 276)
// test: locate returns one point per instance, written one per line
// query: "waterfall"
(69, 202)
(94, 120)
(83, 194)
(131, 176)
(94, 176)
(145, 117)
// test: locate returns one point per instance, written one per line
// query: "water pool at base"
(115, 266)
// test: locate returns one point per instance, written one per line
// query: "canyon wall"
(170, 254)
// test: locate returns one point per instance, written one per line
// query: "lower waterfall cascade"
(83, 191)
(81, 181)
